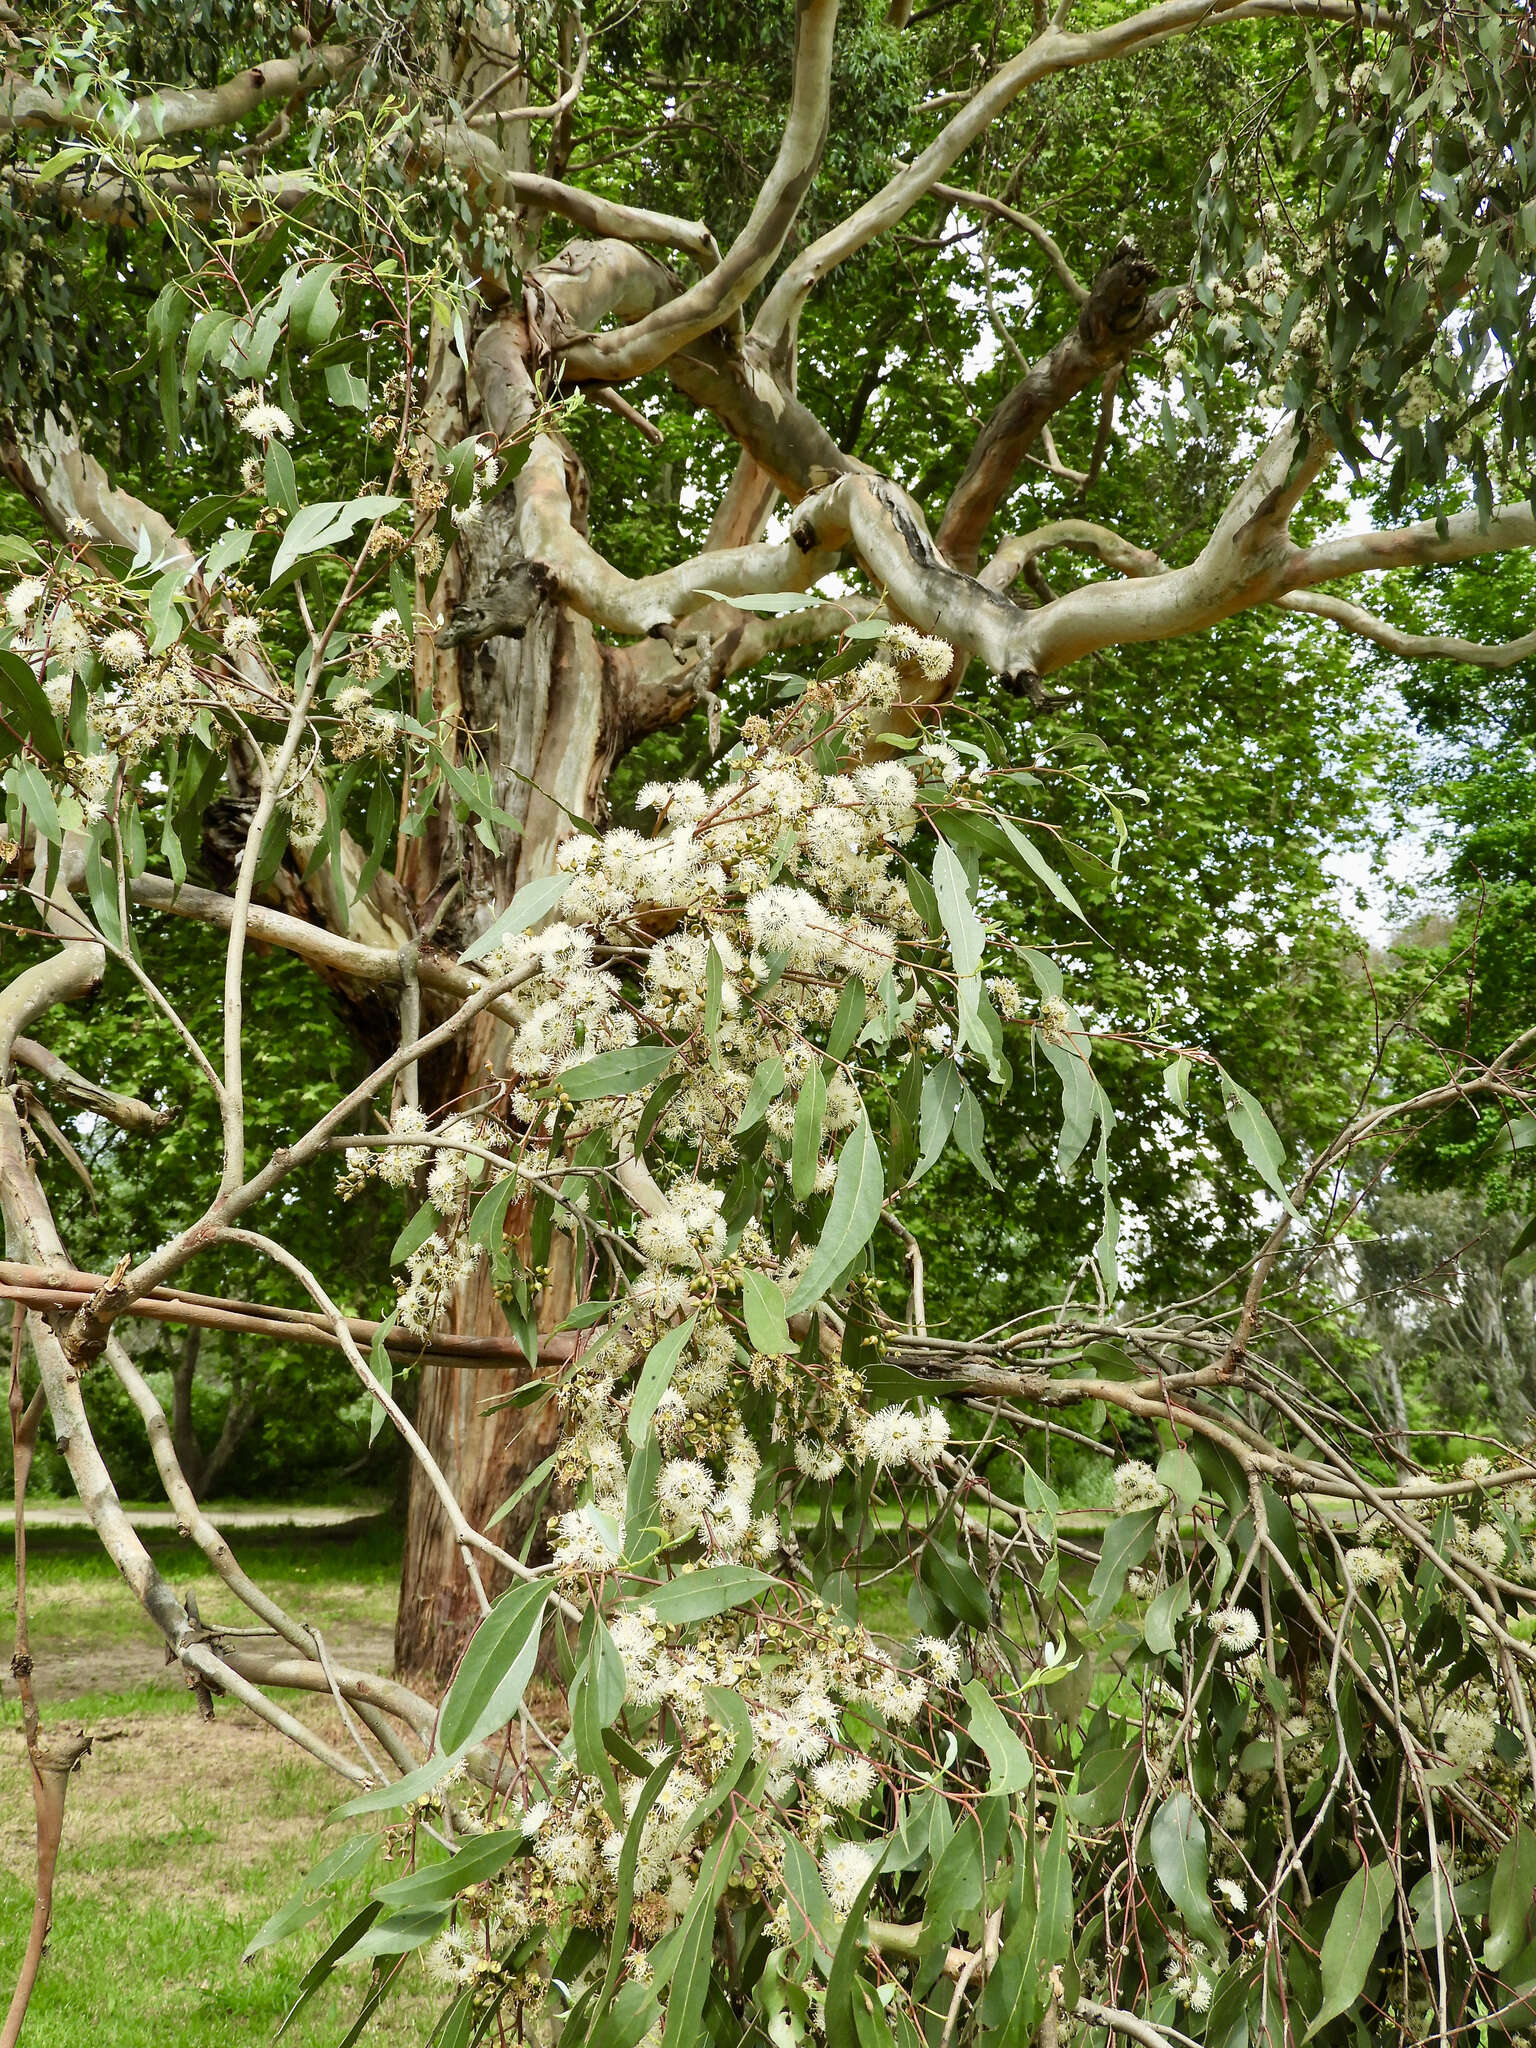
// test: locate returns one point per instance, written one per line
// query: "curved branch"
(958, 195)
(630, 352)
(886, 531)
(1427, 542)
(607, 217)
(1048, 54)
(120, 201)
(504, 116)
(642, 604)
(177, 111)
(1015, 554)
(27, 1216)
(1411, 646)
(126, 1111)
(737, 384)
(1116, 318)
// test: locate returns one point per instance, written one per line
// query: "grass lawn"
(182, 1836)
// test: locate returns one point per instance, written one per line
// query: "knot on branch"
(1025, 683)
(1116, 308)
(503, 610)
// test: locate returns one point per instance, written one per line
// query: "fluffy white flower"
(1232, 1892)
(240, 631)
(122, 650)
(66, 636)
(844, 1781)
(685, 1492)
(932, 658)
(817, 1461)
(1236, 1630)
(1136, 1486)
(844, 1867)
(941, 1658)
(21, 598)
(1486, 1543)
(266, 422)
(1368, 1566)
(584, 1544)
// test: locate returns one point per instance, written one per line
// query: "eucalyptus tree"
(659, 1091)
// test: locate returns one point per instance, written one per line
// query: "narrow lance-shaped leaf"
(1258, 1137)
(1180, 1857)
(1350, 1944)
(535, 900)
(852, 1214)
(762, 1303)
(656, 1377)
(488, 1687)
(1012, 1766)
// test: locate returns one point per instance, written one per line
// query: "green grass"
(182, 1837)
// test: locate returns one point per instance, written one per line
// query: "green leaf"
(31, 785)
(326, 1962)
(1258, 1137)
(487, 1689)
(382, 1367)
(231, 548)
(631, 2017)
(695, 1596)
(844, 1986)
(1013, 1768)
(1039, 866)
(1126, 1542)
(767, 1087)
(342, 1863)
(852, 1214)
(313, 527)
(414, 1235)
(848, 1022)
(629, 1856)
(714, 990)
(488, 1219)
(282, 483)
(810, 1111)
(345, 388)
(968, 1128)
(1509, 1906)
(440, 1883)
(1182, 1477)
(967, 938)
(532, 903)
(535, 1478)
(26, 707)
(762, 1303)
(955, 1583)
(942, 1090)
(656, 1377)
(623, 1071)
(1176, 1840)
(1105, 1783)
(1350, 1944)
(313, 312)
(695, 1954)
(385, 1798)
(101, 886)
(1165, 1610)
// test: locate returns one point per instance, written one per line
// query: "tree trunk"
(542, 712)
